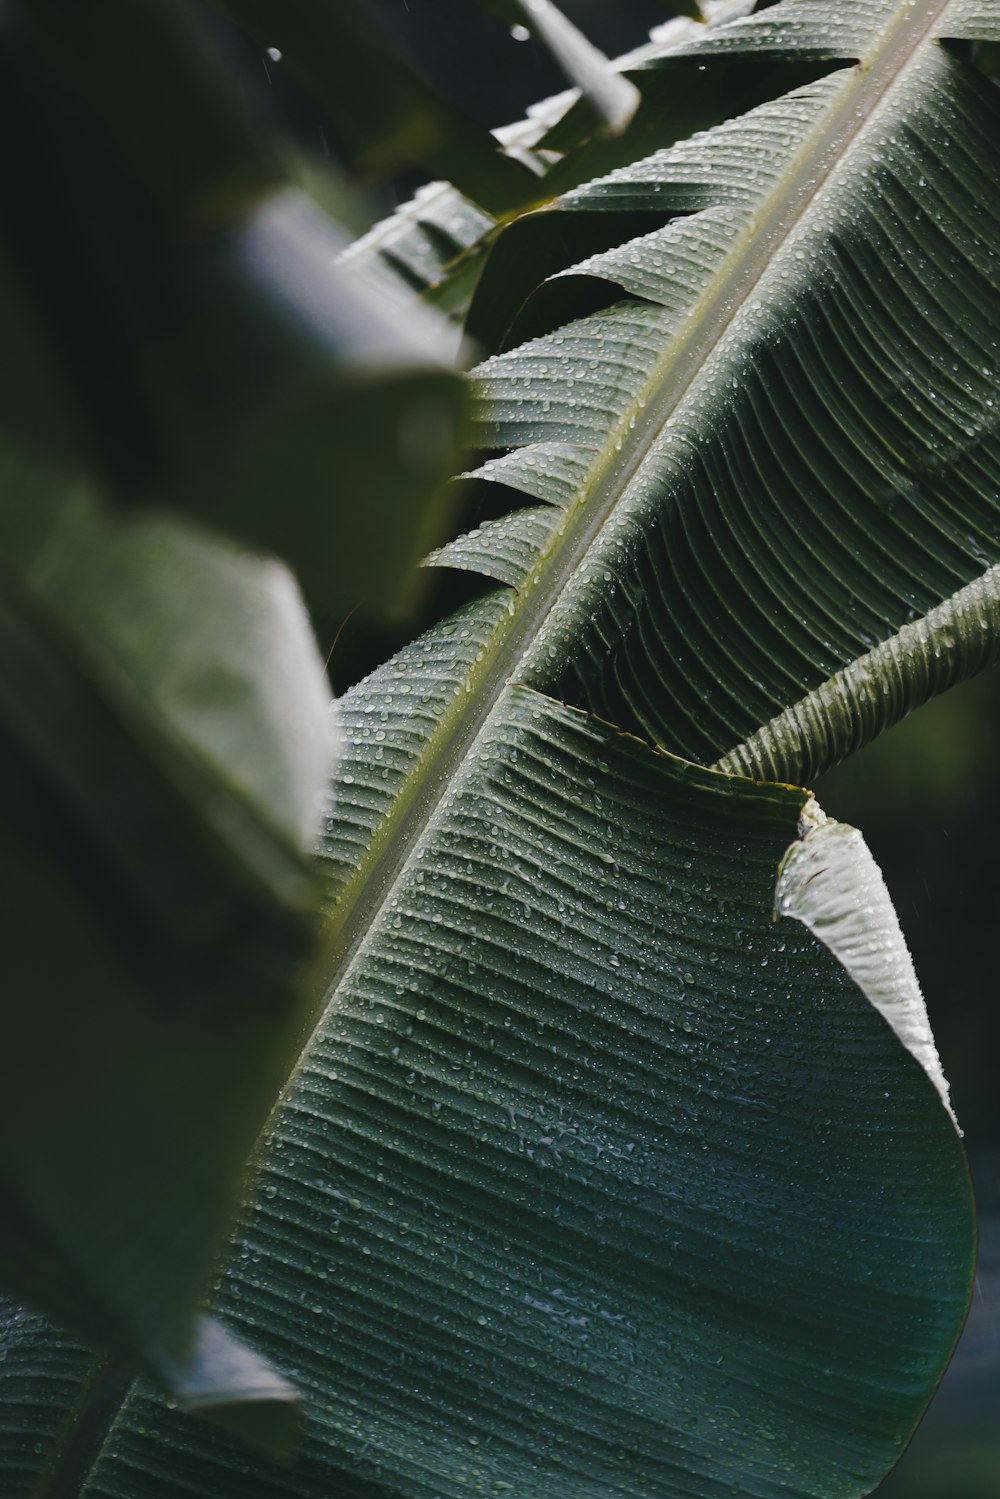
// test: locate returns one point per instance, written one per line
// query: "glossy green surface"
(583, 1205)
(591, 1180)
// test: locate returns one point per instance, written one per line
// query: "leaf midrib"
(685, 360)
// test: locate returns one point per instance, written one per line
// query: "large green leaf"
(565, 1194)
(592, 1179)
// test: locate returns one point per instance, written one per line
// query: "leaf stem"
(85, 1431)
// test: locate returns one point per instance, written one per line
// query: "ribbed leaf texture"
(593, 1180)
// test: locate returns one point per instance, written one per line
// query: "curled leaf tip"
(830, 882)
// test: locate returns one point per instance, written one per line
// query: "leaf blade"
(559, 1244)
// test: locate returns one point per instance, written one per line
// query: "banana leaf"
(618, 1164)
